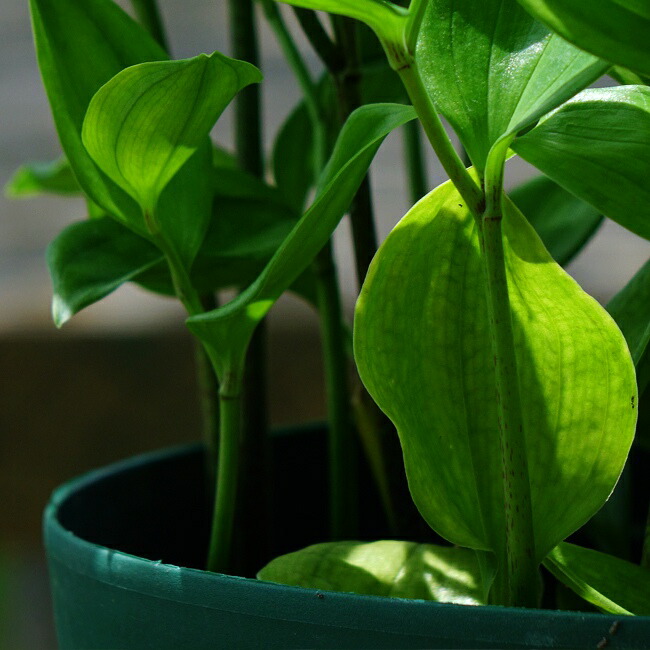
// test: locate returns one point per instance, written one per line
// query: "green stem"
(148, 14)
(415, 162)
(225, 499)
(319, 39)
(517, 579)
(342, 448)
(439, 139)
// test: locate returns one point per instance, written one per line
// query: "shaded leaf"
(90, 259)
(36, 178)
(597, 146)
(229, 328)
(385, 568)
(612, 584)
(563, 222)
(630, 308)
(616, 30)
(492, 70)
(423, 350)
(145, 123)
(67, 35)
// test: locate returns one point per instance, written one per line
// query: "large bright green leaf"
(597, 146)
(228, 329)
(616, 30)
(145, 123)
(386, 568)
(492, 70)
(630, 308)
(563, 222)
(68, 34)
(90, 259)
(423, 349)
(54, 177)
(612, 584)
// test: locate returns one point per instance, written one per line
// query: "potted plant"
(513, 393)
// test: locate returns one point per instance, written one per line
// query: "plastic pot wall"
(117, 541)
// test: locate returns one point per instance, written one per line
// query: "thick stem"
(148, 14)
(342, 447)
(225, 499)
(439, 139)
(517, 579)
(415, 163)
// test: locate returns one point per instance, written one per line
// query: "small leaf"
(615, 30)
(612, 584)
(229, 328)
(492, 70)
(145, 123)
(90, 259)
(423, 350)
(630, 308)
(563, 222)
(37, 178)
(385, 568)
(597, 146)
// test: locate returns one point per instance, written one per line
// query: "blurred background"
(119, 378)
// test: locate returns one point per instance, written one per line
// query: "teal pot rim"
(472, 626)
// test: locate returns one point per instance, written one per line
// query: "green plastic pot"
(121, 542)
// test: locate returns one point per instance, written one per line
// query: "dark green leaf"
(492, 70)
(597, 146)
(42, 178)
(68, 34)
(229, 328)
(612, 584)
(90, 259)
(423, 350)
(385, 568)
(616, 30)
(563, 222)
(630, 308)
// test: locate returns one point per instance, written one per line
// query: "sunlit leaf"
(229, 328)
(492, 70)
(597, 146)
(563, 222)
(43, 178)
(612, 584)
(145, 123)
(385, 568)
(423, 350)
(616, 30)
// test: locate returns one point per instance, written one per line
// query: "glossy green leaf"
(630, 308)
(385, 568)
(612, 584)
(423, 350)
(383, 17)
(90, 259)
(228, 329)
(492, 70)
(597, 146)
(145, 123)
(36, 178)
(616, 30)
(563, 222)
(68, 34)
